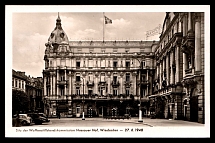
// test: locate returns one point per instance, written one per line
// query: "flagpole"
(103, 26)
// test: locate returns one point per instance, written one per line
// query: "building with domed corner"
(179, 76)
(97, 78)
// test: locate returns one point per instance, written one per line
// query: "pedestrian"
(59, 115)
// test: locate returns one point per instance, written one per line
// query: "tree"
(19, 101)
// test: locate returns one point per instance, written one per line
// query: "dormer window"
(61, 35)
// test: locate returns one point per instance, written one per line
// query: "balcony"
(127, 83)
(144, 82)
(62, 82)
(188, 71)
(102, 83)
(90, 83)
(115, 83)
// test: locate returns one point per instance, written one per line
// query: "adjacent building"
(34, 90)
(179, 75)
(18, 80)
(97, 78)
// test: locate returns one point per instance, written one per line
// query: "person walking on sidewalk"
(59, 115)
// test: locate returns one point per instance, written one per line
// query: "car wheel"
(24, 123)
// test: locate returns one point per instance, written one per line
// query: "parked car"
(38, 118)
(24, 119)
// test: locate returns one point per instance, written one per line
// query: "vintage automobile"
(24, 119)
(38, 118)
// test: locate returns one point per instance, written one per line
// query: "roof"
(101, 43)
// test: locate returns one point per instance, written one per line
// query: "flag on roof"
(108, 20)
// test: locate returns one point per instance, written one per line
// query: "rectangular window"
(62, 78)
(78, 78)
(23, 84)
(90, 77)
(78, 90)
(127, 64)
(115, 64)
(12, 82)
(103, 77)
(127, 91)
(62, 91)
(143, 64)
(78, 111)
(127, 76)
(78, 64)
(90, 63)
(115, 50)
(90, 92)
(143, 77)
(114, 91)
(115, 79)
(102, 63)
(19, 84)
(144, 92)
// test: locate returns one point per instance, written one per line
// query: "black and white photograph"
(107, 71)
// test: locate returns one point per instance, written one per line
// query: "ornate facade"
(179, 79)
(100, 78)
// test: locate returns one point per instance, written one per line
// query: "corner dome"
(58, 35)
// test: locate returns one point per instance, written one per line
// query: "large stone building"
(97, 78)
(179, 79)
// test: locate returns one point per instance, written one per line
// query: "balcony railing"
(115, 83)
(188, 71)
(90, 83)
(62, 82)
(102, 97)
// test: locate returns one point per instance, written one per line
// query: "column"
(172, 61)
(184, 63)
(161, 74)
(134, 84)
(70, 83)
(44, 85)
(109, 83)
(164, 66)
(147, 78)
(189, 21)
(54, 83)
(65, 93)
(197, 43)
(96, 85)
(121, 83)
(51, 84)
(57, 82)
(177, 63)
(158, 70)
(179, 26)
(167, 68)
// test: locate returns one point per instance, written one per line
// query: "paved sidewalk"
(146, 121)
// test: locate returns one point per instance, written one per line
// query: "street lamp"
(83, 100)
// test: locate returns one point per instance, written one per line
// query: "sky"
(31, 27)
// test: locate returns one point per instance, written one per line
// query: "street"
(100, 122)
(99, 127)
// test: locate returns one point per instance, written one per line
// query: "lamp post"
(140, 111)
(83, 100)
